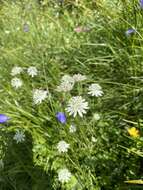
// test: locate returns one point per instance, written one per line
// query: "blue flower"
(3, 118)
(141, 3)
(130, 31)
(61, 117)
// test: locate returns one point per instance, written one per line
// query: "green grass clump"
(101, 155)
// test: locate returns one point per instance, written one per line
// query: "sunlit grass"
(106, 55)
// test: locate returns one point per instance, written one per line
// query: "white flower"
(72, 129)
(65, 87)
(95, 90)
(1, 164)
(67, 83)
(78, 77)
(32, 71)
(19, 136)
(77, 105)
(39, 96)
(96, 117)
(62, 146)
(16, 71)
(67, 78)
(64, 175)
(16, 82)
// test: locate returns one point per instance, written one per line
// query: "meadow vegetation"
(71, 94)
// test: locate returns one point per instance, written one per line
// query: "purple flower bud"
(3, 118)
(141, 3)
(26, 27)
(61, 117)
(130, 31)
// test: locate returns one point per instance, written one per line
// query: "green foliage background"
(108, 57)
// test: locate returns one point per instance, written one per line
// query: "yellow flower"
(133, 132)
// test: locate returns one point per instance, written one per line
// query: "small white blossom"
(77, 105)
(96, 117)
(64, 175)
(32, 71)
(67, 78)
(72, 129)
(16, 82)
(62, 146)
(39, 95)
(95, 90)
(67, 83)
(65, 87)
(19, 136)
(78, 77)
(16, 70)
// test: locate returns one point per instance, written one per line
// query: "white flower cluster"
(64, 175)
(78, 77)
(32, 71)
(66, 85)
(95, 90)
(67, 78)
(16, 70)
(17, 82)
(19, 136)
(62, 146)
(78, 105)
(39, 95)
(72, 129)
(67, 82)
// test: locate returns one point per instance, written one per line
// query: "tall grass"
(106, 55)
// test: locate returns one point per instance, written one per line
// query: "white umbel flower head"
(67, 83)
(65, 87)
(16, 82)
(32, 71)
(78, 77)
(64, 175)
(16, 70)
(67, 78)
(19, 136)
(72, 129)
(95, 90)
(77, 105)
(39, 95)
(62, 146)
